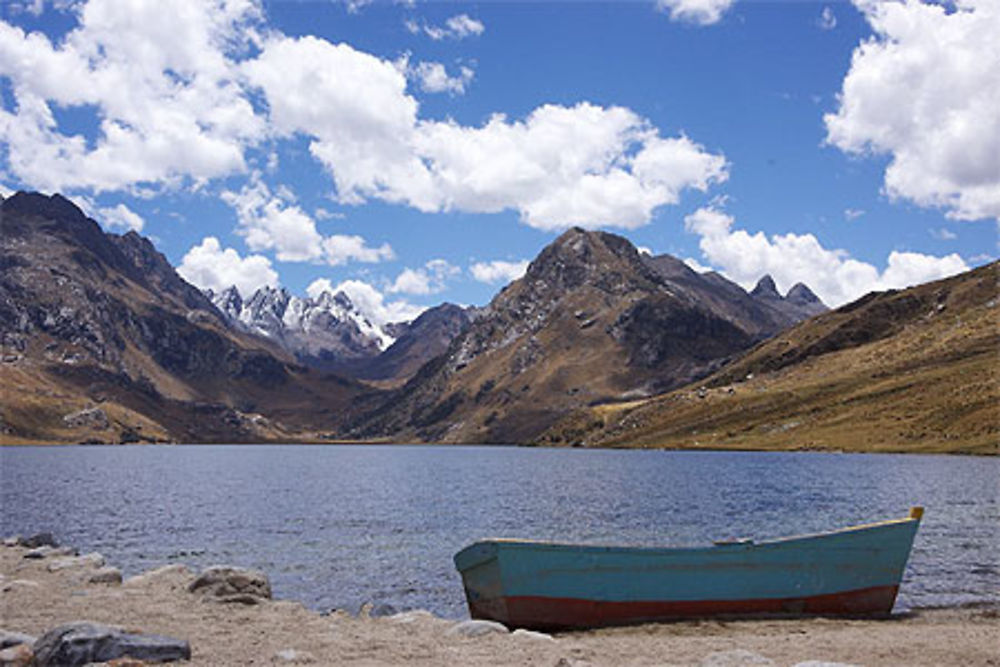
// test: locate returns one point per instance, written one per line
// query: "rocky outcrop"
(83, 642)
(224, 583)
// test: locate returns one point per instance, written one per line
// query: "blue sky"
(413, 153)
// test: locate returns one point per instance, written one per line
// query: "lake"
(336, 526)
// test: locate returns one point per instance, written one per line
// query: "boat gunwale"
(716, 547)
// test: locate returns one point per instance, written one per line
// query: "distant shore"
(38, 594)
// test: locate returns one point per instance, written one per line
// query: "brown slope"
(913, 370)
(93, 320)
(589, 322)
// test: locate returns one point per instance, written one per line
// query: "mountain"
(910, 370)
(325, 332)
(103, 341)
(798, 304)
(590, 322)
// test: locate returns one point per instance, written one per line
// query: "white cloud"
(924, 90)
(369, 300)
(158, 77)
(459, 26)
(498, 271)
(790, 258)
(342, 248)
(121, 217)
(697, 266)
(943, 234)
(827, 19)
(434, 78)
(208, 266)
(853, 213)
(430, 279)
(699, 12)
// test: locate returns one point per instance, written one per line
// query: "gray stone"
(82, 642)
(477, 628)
(12, 541)
(49, 552)
(87, 418)
(38, 540)
(531, 634)
(106, 575)
(735, 658)
(88, 560)
(291, 656)
(8, 638)
(232, 584)
(19, 655)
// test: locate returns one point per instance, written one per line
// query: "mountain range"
(104, 342)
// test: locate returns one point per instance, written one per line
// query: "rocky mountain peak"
(800, 294)
(765, 288)
(579, 257)
(55, 207)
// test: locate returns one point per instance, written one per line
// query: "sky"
(410, 153)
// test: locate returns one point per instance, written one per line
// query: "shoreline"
(39, 594)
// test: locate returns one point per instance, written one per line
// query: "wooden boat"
(549, 586)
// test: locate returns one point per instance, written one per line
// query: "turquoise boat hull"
(549, 586)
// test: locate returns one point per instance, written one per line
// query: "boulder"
(82, 642)
(232, 584)
(8, 639)
(18, 655)
(38, 540)
(105, 575)
(88, 560)
(477, 628)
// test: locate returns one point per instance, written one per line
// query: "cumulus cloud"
(924, 91)
(121, 217)
(430, 279)
(369, 300)
(434, 78)
(271, 221)
(698, 12)
(459, 26)
(157, 77)
(498, 271)
(790, 258)
(209, 266)
(561, 166)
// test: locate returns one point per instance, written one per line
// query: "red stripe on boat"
(547, 613)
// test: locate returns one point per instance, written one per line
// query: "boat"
(853, 572)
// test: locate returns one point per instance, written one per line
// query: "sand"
(237, 634)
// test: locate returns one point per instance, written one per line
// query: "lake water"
(335, 526)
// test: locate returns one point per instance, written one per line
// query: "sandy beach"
(35, 599)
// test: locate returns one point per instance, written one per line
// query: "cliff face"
(96, 321)
(591, 321)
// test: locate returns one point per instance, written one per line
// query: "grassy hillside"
(916, 370)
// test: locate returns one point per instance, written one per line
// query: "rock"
(12, 541)
(49, 552)
(531, 634)
(82, 642)
(291, 656)
(232, 584)
(413, 616)
(106, 575)
(175, 572)
(19, 583)
(89, 560)
(19, 655)
(38, 540)
(382, 610)
(735, 658)
(87, 418)
(8, 639)
(477, 628)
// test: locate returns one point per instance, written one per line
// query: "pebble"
(477, 628)
(531, 634)
(19, 655)
(293, 656)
